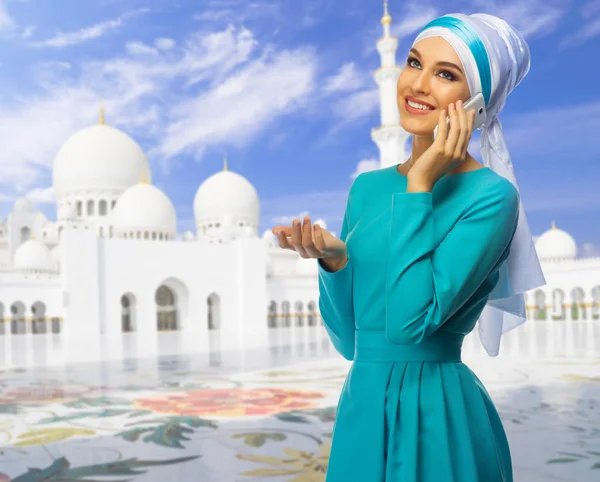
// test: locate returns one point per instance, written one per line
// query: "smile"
(416, 108)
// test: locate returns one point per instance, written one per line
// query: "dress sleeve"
(425, 284)
(336, 299)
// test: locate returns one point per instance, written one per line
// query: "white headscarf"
(495, 58)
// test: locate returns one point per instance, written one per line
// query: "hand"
(448, 150)
(309, 241)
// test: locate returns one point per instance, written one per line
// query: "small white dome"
(307, 266)
(34, 255)
(98, 157)
(188, 236)
(226, 194)
(67, 212)
(144, 207)
(555, 244)
(22, 205)
(41, 219)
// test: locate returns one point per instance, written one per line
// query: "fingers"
(454, 131)
(459, 150)
(307, 239)
(299, 238)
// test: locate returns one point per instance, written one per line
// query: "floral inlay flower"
(309, 466)
(50, 393)
(231, 402)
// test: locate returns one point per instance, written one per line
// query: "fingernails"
(459, 103)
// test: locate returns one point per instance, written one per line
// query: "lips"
(418, 101)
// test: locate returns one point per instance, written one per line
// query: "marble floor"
(259, 415)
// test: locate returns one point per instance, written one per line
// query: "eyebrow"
(447, 64)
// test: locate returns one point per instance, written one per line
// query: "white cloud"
(28, 31)
(83, 35)
(164, 43)
(365, 165)
(44, 195)
(588, 250)
(347, 78)
(533, 17)
(140, 48)
(413, 18)
(7, 23)
(257, 94)
(151, 98)
(590, 28)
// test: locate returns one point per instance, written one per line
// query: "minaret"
(389, 136)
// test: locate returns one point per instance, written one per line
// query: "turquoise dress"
(420, 269)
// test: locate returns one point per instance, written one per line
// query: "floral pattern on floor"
(273, 425)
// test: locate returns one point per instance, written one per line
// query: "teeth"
(418, 106)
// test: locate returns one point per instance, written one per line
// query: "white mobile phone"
(476, 102)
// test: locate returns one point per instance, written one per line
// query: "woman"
(427, 249)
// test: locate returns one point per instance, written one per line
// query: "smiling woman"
(427, 261)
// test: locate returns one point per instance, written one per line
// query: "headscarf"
(495, 58)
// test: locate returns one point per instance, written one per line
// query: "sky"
(286, 91)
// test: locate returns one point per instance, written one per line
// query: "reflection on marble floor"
(228, 419)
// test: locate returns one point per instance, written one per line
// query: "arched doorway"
(17, 322)
(166, 309)
(128, 313)
(214, 311)
(38, 323)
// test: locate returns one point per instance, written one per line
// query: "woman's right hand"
(310, 241)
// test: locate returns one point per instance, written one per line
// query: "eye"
(450, 76)
(447, 75)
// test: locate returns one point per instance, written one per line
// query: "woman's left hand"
(448, 150)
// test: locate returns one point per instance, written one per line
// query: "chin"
(417, 128)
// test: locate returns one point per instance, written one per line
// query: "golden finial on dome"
(553, 225)
(386, 19)
(102, 114)
(225, 163)
(144, 179)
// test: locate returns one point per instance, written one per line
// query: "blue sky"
(286, 91)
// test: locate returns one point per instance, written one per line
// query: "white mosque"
(112, 266)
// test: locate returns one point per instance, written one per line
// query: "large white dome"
(555, 244)
(144, 207)
(225, 194)
(34, 255)
(22, 205)
(98, 157)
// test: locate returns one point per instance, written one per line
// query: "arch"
(172, 302)
(128, 313)
(17, 322)
(25, 234)
(558, 304)
(38, 320)
(595, 302)
(102, 208)
(56, 322)
(272, 315)
(578, 311)
(214, 311)
(285, 309)
(312, 313)
(540, 305)
(299, 309)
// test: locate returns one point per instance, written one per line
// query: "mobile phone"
(476, 102)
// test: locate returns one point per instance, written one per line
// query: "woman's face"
(424, 80)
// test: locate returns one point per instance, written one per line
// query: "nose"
(421, 83)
